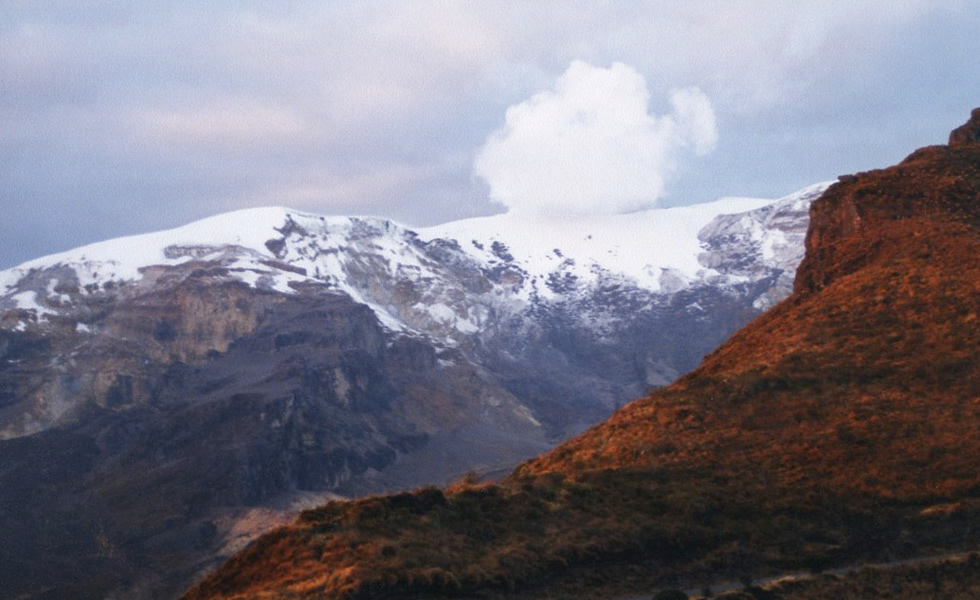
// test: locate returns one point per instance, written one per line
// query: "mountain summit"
(838, 427)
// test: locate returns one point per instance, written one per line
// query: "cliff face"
(146, 437)
(967, 133)
(838, 427)
(939, 183)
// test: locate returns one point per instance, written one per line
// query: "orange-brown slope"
(840, 425)
(872, 385)
(868, 375)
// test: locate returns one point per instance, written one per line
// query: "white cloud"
(590, 145)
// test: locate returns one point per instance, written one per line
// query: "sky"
(121, 117)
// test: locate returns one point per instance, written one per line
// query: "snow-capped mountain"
(267, 356)
(457, 274)
(489, 287)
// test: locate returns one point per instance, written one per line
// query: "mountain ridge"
(260, 235)
(464, 294)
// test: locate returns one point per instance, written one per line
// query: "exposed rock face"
(150, 406)
(155, 457)
(969, 132)
(937, 182)
(735, 243)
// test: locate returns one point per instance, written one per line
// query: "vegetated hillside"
(839, 427)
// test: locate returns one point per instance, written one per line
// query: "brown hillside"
(840, 426)
(872, 368)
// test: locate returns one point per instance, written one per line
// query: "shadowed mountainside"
(838, 427)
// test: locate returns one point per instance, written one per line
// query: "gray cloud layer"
(117, 118)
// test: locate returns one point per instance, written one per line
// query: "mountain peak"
(967, 133)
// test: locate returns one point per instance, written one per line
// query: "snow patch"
(26, 301)
(525, 413)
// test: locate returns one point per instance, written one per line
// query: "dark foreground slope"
(956, 578)
(841, 426)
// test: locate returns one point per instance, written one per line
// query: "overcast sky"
(121, 117)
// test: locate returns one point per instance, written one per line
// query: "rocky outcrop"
(937, 182)
(967, 133)
(769, 243)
